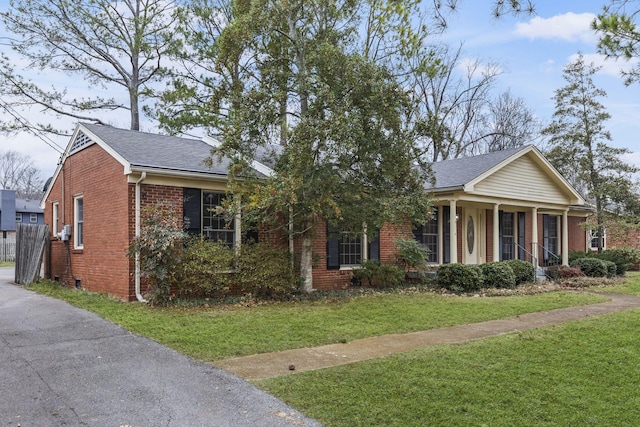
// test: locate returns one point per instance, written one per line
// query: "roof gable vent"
(80, 142)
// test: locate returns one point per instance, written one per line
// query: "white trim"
(76, 234)
(55, 218)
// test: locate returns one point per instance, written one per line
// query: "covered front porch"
(504, 205)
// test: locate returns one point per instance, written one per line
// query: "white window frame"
(18, 217)
(55, 220)
(78, 223)
(33, 218)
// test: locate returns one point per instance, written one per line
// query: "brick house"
(107, 175)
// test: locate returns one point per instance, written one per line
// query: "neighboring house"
(14, 211)
(485, 207)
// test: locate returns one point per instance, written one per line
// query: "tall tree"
(578, 140)
(456, 112)
(17, 172)
(295, 75)
(619, 34)
(509, 123)
(107, 43)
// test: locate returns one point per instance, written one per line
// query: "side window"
(33, 218)
(55, 212)
(18, 217)
(78, 219)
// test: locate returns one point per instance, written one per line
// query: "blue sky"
(531, 50)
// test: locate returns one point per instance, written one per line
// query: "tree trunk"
(306, 262)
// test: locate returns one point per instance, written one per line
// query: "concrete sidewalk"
(63, 366)
(305, 359)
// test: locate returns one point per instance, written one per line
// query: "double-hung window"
(78, 222)
(507, 236)
(202, 216)
(346, 249)
(18, 217)
(33, 218)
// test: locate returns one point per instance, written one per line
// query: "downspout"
(137, 234)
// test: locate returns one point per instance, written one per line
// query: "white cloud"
(609, 66)
(569, 27)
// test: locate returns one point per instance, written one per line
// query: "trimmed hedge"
(459, 278)
(612, 269)
(524, 272)
(498, 275)
(591, 267)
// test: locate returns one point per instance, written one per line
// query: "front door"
(473, 236)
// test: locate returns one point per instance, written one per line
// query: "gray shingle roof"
(460, 171)
(142, 149)
(28, 206)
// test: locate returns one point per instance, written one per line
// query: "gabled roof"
(159, 154)
(137, 150)
(468, 174)
(456, 173)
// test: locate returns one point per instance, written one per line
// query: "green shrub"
(460, 278)
(389, 276)
(622, 257)
(411, 255)
(159, 249)
(263, 271)
(591, 267)
(611, 268)
(498, 275)
(524, 271)
(204, 269)
(574, 255)
(366, 272)
(381, 275)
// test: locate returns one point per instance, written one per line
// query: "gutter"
(139, 296)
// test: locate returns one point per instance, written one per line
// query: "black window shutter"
(418, 234)
(333, 250)
(192, 208)
(374, 248)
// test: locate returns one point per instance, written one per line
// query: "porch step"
(540, 275)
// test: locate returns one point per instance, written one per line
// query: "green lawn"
(220, 332)
(580, 373)
(583, 373)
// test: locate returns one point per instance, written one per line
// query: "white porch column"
(534, 234)
(565, 238)
(496, 232)
(453, 232)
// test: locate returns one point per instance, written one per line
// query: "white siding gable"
(522, 179)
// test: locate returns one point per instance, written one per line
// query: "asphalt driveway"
(63, 366)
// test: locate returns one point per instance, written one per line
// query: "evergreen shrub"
(205, 268)
(264, 271)
(524, 271)
(459, 278)
(498, 275)
(591, 267)
(611, 268)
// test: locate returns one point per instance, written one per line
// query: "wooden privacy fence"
(30, 243)
(8, 248)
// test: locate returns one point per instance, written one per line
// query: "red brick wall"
(324, 279)
(102, 265)
(577, 234)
